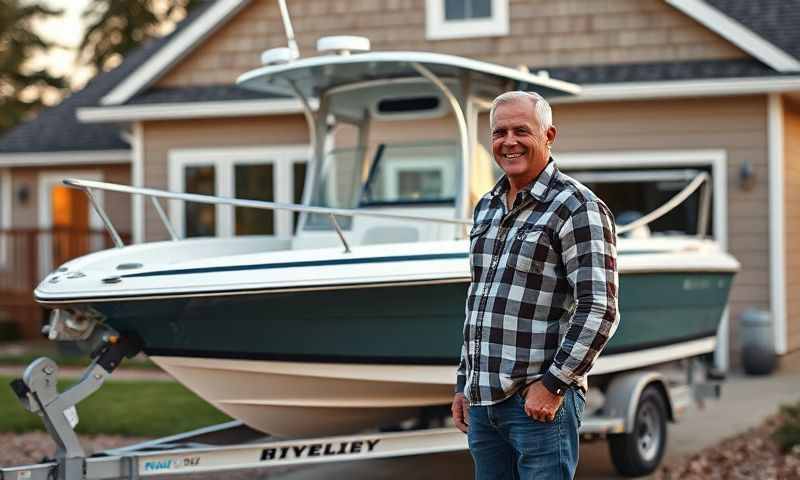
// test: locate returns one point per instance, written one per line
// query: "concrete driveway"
(745, 402)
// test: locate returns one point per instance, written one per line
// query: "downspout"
(777, 252)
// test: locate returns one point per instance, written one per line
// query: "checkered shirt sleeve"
(589, 255)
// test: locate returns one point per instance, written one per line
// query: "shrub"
(9, 331)
(788, 433)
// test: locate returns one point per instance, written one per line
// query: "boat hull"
(339, 360)
(296, 399)
(393, 324)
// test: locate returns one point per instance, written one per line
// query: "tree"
(21, 87)
(115, 27)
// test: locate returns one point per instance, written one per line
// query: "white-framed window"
(465, 18)
(417, 179)
(423, 172)
(712, 161)
(274, 174)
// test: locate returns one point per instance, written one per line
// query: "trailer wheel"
(640, 451)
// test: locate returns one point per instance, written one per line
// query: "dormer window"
(465, 18)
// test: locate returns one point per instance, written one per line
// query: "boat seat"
(390, 234)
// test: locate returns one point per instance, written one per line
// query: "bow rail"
(89, 186)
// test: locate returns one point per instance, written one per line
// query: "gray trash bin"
(757, 341)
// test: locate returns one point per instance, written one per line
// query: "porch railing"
(26, 255)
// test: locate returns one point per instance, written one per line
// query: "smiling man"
(541, 306)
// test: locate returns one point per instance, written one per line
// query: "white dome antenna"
(277, 56)
(287, 26)
(343, 44)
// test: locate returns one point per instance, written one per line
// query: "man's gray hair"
(544, 114)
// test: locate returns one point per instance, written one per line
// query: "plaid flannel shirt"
(542, 303)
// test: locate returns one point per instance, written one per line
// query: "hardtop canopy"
(311, 77)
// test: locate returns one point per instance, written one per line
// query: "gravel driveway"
(33, 447)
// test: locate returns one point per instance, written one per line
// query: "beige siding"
(736, 125)
(543, 33)
(118, 205)
(26, 214)
(162, 137)
(791, 136)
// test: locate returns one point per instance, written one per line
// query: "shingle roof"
(56, 129)
(206, 93)
(661, 71)
(777, 21)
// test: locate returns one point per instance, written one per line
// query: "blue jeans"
(505, 443)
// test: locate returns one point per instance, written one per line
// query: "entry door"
(71, 231)
(68, 224)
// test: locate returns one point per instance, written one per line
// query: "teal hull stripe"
(312, 263)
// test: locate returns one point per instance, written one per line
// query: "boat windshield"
(402, 175)
(412, 174)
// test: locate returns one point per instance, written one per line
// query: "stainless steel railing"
(89, 186)
(677, 199)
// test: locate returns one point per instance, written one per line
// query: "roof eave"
(190, 110)
(65, 157)
(683, 88)
(174, 51)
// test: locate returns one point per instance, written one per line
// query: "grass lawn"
(121, 407)
(68, 360)
(30, 351)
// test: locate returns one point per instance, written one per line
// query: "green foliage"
(9, 331)
(133, 408)
(62, 360)
(65, 354)
(115, 27)
(22, 88)
(788, 433)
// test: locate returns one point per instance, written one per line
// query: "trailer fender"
(624, 391)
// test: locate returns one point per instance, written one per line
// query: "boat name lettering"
(171, 464)
(318, 450)
(697, 284)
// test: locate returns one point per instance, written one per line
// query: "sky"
(66, 30)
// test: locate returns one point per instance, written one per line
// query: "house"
(706, 85)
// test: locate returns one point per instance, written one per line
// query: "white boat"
(356, 321)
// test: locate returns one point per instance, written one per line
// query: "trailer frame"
(234, 446)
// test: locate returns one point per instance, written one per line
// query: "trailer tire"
(640, 451)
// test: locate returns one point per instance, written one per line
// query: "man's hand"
(540, 404)
(460, 411)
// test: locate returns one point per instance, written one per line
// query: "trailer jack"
(37, 390)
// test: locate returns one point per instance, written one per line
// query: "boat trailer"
(636, 404)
